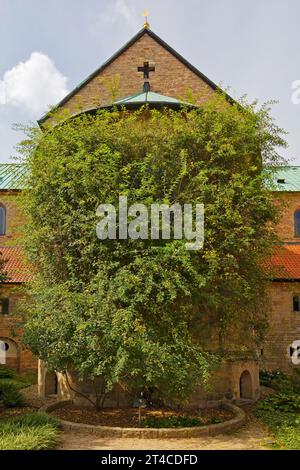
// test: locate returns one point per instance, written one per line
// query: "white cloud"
(121, 10)
(34, 85)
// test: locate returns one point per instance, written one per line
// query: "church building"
(146, 70)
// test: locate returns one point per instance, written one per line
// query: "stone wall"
(233, 381)
(284, 326)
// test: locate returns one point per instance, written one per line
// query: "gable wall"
(171, 77)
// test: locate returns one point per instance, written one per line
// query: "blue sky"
(47, 48)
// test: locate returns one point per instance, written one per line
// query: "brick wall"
(171, 77)
(289, 203)
(14, 217)
(284, 326)
(23, 359)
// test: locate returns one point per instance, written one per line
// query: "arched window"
(297, 223)
(9, 354)
(2, 220)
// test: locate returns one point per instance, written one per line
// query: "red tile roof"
(15, 265)
(285, 262)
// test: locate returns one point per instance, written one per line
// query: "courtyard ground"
(253, 436)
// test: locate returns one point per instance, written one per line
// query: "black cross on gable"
(146, 69)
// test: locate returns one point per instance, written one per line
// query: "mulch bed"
(128, 417)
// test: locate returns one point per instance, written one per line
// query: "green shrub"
(288, 438)
(4, 383)
(276, 419)
(171, 422)
(285, 428)
(36, 420)
(281, 402)
(27, 438)
(11, 397)
(28, 378)
(267, 377)
(6, 373)
(35, 431)
(280, 381)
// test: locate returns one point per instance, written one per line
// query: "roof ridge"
(120, 51)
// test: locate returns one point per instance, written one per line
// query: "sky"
(251, 47)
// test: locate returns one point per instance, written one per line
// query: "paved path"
(252, 436)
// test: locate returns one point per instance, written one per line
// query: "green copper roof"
(148, 97)
(286, 178)
(12, 176)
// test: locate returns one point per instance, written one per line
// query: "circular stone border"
(233, 424)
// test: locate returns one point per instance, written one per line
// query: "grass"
(31, 431)
(281, 411)
(35, 431)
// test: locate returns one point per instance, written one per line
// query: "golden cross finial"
(145, 15)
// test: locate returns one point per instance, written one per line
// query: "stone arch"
(2, 219)
(9, 353)
(246, 386)
(297, 223)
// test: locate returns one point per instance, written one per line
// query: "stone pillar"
(42, 371)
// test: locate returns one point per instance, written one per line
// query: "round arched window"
(2, 220)
(4, 346)
(297, 223)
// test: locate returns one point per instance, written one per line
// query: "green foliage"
(36, 419)
(27, 378)
(177, 422)
(41, 438)
(280, 381)
(35, 431)
(10, 378)
(288, 437)
(281, 402)
(137, 312)
(266, 377)
(10, 396)
(281, 411)
(6, 373)
(275, 419)
(285, 427)
(171, 422)
(12, 383)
